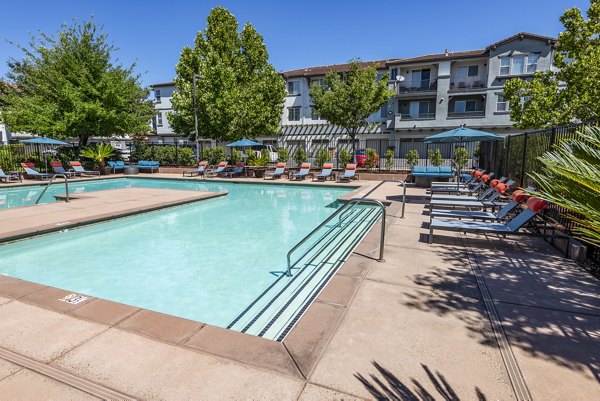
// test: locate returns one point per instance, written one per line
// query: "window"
(518, 65)
(393, 74)
(501, 104)
(157, 95)
(318, 81)
(159, 119)
(293, 87)
(465, 106)
(314, 114)
(467, 71)
(532, 60)
(293, 113)
(505, 66)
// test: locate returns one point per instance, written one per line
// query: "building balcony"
(412, 87)
(417, 116)
(466, 114)
(468, 83)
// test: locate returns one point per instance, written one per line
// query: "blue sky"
(298, 34)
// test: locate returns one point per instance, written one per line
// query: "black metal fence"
(517, 157)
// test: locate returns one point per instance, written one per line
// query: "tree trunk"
(352, 138)
(83, 140)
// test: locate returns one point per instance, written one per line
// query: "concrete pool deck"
(414, 326)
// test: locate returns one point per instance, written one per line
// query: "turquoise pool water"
(204, 261)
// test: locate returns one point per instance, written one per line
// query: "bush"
(236, 156)
(435, 158)
(213, 156)
(461, 157)
(344, 157)
(412, 158)
(321, 157)
(11, 156)
(166, 155)
(371, 158)
(283, 155)
(389, 159)
(300, 156)
(258, 159)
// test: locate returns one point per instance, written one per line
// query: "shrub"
(461, 157)
(321, 157)
(11, 156)
(213, 156)
(371, 158)
(389, 159)
(283, 155)
(300, 156)
(236, 156)
(435, 157)
(412, 158)
(258, 159)
(344, 157)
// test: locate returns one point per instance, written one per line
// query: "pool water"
(204, 261)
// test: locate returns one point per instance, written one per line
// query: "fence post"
(505, 172)
(177, 152)
(552, 137)
(524, 159)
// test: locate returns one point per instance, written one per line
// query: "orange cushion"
(55, 164)
(536, 204)
(351, 167)
(305, 165)
(484, 177)
(75, 164)
(519, 195)
(477, 173)
(501, 187)
(29, 164)
(222, 164)
(240, 164)
(494, 182)
(203, 163)
(280, 165)
(328, 165)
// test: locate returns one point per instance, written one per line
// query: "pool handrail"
(50, 182)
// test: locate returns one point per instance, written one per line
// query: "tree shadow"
(387, 386)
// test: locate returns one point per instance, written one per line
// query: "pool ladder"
(341, 212)
(50, 182)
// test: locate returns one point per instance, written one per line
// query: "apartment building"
(433, 93)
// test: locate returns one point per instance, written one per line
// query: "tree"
(239, 94)
(571, 92)
(348, 99)
(68, 87)
(570, 178)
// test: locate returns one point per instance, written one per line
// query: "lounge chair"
(533, 206)
(198, 171)
(220, 169)
(33, 173)
(59, 169)
(9, 177)
(517, 197)
(78, 168)
(325, 172)
(485, 195)
(472, 178)
(237, 171)
(277, 173)
(303, 173)
(457, 189)
(349, 174)
(470, 203)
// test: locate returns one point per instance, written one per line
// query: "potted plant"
(460, 159)
(99, 154)
(283, 155)
(435, 157)
(412, 159)
(259, 161)
(321, 157)
(300, 156)
(344, 157)
(389, 159)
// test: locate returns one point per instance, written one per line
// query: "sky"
(298, 34)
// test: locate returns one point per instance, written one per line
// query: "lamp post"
(196, 76)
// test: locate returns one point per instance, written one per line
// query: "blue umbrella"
(44, 141)
(462, 134)
(242, 142)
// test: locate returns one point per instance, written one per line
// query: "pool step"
(274, 313)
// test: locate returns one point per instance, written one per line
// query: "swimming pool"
(205, 261)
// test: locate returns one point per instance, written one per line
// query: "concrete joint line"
(515, 375)
(63, 377)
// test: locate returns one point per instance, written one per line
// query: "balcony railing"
(466, 83)
(424, 85)
(466, 114)
(419, 116)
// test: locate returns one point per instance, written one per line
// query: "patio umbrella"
(242, 143)
(461, 135)
(44, 141)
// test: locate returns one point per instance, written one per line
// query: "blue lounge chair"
(349, 174)
(517, 198)
(198, 171)
(471, 202)
(220, 169)
(279, 170)
(9, 177)
(303, 173)
(485, 195)
(59, 169)
(78, 168)
(325, 172)
(116, 165)
(457, 189)
(31, 172)
(237, 171)
(533, 206)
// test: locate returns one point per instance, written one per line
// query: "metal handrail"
(50, 182)
(344, 208)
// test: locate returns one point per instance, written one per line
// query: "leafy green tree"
(68, 87)
(435, 157)
(239, 94)
(461, 157)
(349, 99)
(300, 156)
(344, 157)
(570, 178)
(371, 157)
(389, 159)
(322, 157)
(236, 156)
(543, 102)
(412, 158)
(283, 155)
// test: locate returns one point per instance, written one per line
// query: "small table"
(131, 170)
(18, 174)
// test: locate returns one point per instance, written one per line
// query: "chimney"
(446, 53)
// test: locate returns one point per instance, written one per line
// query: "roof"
(323, 129)
(441, 56)
(521, 36)
(322, 70)
(163, 84)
